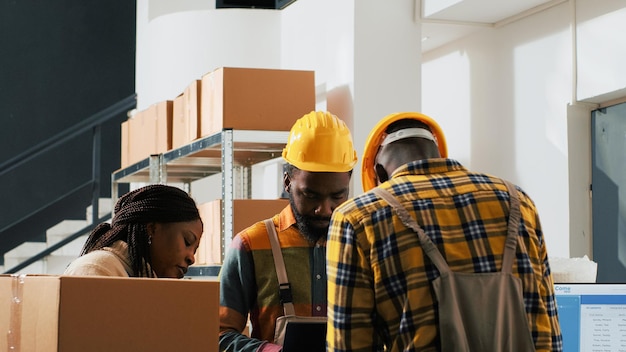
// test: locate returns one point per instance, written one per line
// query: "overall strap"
(427, 245)
(283, 283)
(511, 237)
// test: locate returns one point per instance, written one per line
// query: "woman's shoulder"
(97, 263)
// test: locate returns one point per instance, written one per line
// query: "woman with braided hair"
(155, 232)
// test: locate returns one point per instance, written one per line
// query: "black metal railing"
(94, 124)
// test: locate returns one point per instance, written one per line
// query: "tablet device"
(305, 337)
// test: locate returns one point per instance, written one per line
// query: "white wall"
(502, 96)
(179, 41)
(365, 54)
(513, 85)
(319, 35)
(601, 49)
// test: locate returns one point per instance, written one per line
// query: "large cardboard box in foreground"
(70, 313)
(246, 212)
(255, 99)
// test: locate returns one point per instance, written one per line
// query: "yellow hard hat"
(320, 142)
(377, 134)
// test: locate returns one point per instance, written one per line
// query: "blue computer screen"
(592, 317)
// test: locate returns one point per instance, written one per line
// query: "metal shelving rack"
(229, 152)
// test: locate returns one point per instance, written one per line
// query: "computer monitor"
(592, 316)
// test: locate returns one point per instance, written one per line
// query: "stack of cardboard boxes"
(245, 213)
(237, 98)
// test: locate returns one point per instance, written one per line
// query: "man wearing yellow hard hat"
(320, 157)
(422, 215)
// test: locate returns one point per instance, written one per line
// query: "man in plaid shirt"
(379, 279)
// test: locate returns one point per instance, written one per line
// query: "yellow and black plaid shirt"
(379, 292)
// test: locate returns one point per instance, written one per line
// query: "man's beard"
(309, 231)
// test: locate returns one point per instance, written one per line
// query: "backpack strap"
(284, 286)
(429, 247)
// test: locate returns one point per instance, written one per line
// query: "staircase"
(55, 263)
(52, 256)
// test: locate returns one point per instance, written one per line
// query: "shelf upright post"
(228, 158)
(246, 184)
(162, 169)
(157, 167)
(114, 193)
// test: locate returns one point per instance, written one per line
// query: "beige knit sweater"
(108, 261)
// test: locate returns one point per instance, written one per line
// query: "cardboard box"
(255, 99)
(186, 120)
(125, 147)
(193, 108)
(180, 127)
(246, 212)
(150, 131)
(161, 113)
(70, 313)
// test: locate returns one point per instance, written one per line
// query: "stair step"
(22, 252)
(25, 250)
(38, 267)
(50, 265)
(55, 263)
(61, 231)
(105, 205)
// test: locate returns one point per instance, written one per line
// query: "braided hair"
(133, 211)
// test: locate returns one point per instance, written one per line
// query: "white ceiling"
(444, 21)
